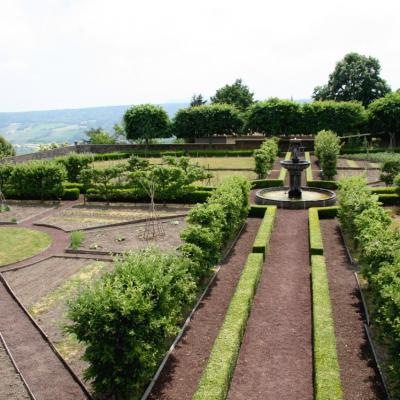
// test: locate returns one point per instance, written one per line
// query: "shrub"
(37, 180)
(71, 194)
(261, 242)
(6, 148)
(265, 183)
(390, 169)
(5, 174)
(316, 244)
(128, 316)
(265, 156)
(331, 185)
(327, 148)
(76, 239)
(74, 163)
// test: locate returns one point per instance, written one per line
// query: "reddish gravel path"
(180, 377)
(360, 380)
(275, 360)
(43, 371)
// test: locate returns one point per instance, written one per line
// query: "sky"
(81, 53)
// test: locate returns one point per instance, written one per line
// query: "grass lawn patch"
(17, 244)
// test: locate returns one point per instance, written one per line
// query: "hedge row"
(331, 185)
(316, 244)
(389, 199)
(327, 383)
(265, 156)
(266, 183)
(261, 242)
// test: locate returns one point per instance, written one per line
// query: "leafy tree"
(206, 121)
(6, 148)
(384, 116)
(265, 156)
(197, 100)
(145, 122)
(75, 163)
(356, 77)
(339, 116)
(236, 94)
(274, 117)
(99, 136)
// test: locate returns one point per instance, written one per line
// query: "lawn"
(208, 162)
(19, 243)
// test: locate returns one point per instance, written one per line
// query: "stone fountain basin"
(311, 197)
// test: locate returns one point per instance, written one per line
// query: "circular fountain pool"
(310, 197)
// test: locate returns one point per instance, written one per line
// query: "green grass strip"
(316, 244)
(216, 378)
(309, 175)
(283, 171)
(351, 164)
(327, 385)
(261, 242)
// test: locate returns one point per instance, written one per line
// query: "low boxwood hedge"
(383, 190)
(330, 185)
(327, 212)
(216, 378)
(261, 242)
(257, 211)
(74, 185)
(71, 194)
(316, 244)
(266, 183)
(390, 199)
(327, 383)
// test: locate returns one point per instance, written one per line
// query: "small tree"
(6, 148)
(384, 116)
(197, 100)
(265, 156)
(236, 94)
(145, 122)
(75, 163)
(327, 148)
(100, 136)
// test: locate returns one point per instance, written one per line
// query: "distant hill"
(59, 126)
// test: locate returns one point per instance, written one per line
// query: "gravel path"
(360, 380)
(183, 370)
(275, 360)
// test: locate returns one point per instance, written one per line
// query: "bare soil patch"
(275, 359)
(96, 215)
(360, 379)
(127, 237)
(11, 385)
(19, 212)
(183, 370)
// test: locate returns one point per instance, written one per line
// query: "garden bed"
(96, 215)
(128, 237)
(45, 287)
(21, 211)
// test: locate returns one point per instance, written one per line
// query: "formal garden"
(162, 275)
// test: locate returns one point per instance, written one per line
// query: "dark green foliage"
(207, 120)
(74, 185)
(331, 185)
(71, 194)
(236, 94)
(389, 199)
(135, 163)
(74, 163)
(356, 77)
(128, 316)
(316, 244)
(340, 117)
(145, 122)
(327, 148)
(5, 174)
(6, 148)
(327, 212)
(257, 211)
(274, 117)
(389, 171)
(37, 180)
(384, 116)
(261, 242)
(197, 100)
(266, 183)
(265, 157)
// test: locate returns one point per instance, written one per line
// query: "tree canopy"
(99, 136)
(197, 100)
(384, 116)
(6, 148)
(356, 77)
(145, 122)
(236, 94)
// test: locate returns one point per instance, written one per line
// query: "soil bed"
(275, 359)
(127, 237)
(360, 379)
(44, 289)
(372, 174)
(11, 385)
(19, 212)
(183, 370)
(96, 215)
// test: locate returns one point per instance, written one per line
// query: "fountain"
(295, 196)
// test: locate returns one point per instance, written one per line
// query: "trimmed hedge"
(216, 378)
(389, 199)
(331, 185)
(316, 244)
(261, 242)
(74, 185)
(257, 211)
(283, 171)
(383, 190)
(327, 212)
(71, 194)
(266, 183)
(327, 383)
